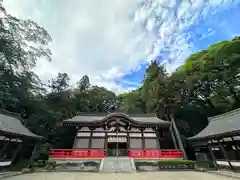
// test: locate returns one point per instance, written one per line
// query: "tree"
(60, 83)
(207, 84)
(153, 86)
(22, 43)
(131, 103)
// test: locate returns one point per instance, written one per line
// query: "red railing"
(155, 153)
(76, 153)
(100, 153)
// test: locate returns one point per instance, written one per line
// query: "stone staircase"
(117, 164)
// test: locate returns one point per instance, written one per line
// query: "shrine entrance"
(117, 146)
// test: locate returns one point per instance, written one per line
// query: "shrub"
(176, 161)
(51, 165)
(145, 163)
(167, 163)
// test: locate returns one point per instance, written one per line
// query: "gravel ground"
(187, 175)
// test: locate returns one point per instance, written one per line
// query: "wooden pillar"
(106, 140)
(5, 145)
(158, 138)
(225, 155)
(212, 155)
(237, 152)
(75, 138)
(90, 139)
(128, 139)
(34, 152)
(143, 139)
(15, 152)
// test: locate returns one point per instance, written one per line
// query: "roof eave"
(96, 122)
(221, 135)
(21, 135)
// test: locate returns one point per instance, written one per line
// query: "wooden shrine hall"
(118, 134)
(219, 142)
(15, 139)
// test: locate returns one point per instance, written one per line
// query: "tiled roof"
(10, 123)
(220, 125)
(149, 119)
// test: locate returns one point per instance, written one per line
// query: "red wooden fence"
(100, 153)
(77, 153)
(155, 153)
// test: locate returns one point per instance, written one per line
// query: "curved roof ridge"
(106, 114)
(142, 115)
(91, 114)
(148, 118)
(220, 116)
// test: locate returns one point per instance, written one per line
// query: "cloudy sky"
(112, 41)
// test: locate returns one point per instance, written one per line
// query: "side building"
(218, 145)
(16, 141)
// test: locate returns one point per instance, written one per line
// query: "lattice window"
(98, 143)
(151, 143)
(81, 143)
(135, 143)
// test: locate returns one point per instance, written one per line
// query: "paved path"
(187, 175)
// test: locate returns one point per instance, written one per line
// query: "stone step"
(117, 164)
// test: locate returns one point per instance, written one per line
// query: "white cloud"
(99, 38)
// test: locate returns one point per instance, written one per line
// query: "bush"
(145, 163)
(51, 165)
(41, 163)
(167, 164)
(176, 162)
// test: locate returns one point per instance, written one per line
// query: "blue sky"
(218, 26)
(113, 41)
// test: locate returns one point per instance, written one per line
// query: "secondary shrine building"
(218, 144)
(17, 143)
(118, 133)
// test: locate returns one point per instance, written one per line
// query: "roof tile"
(13, 125)
(93, 118)
(220, 125)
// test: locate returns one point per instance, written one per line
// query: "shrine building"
(119, 134)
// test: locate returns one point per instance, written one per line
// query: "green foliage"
(176, 161)
(205, 85)
(145, 163)
(164, 162)
(51, 165)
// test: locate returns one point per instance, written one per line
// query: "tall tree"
(153, 86)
